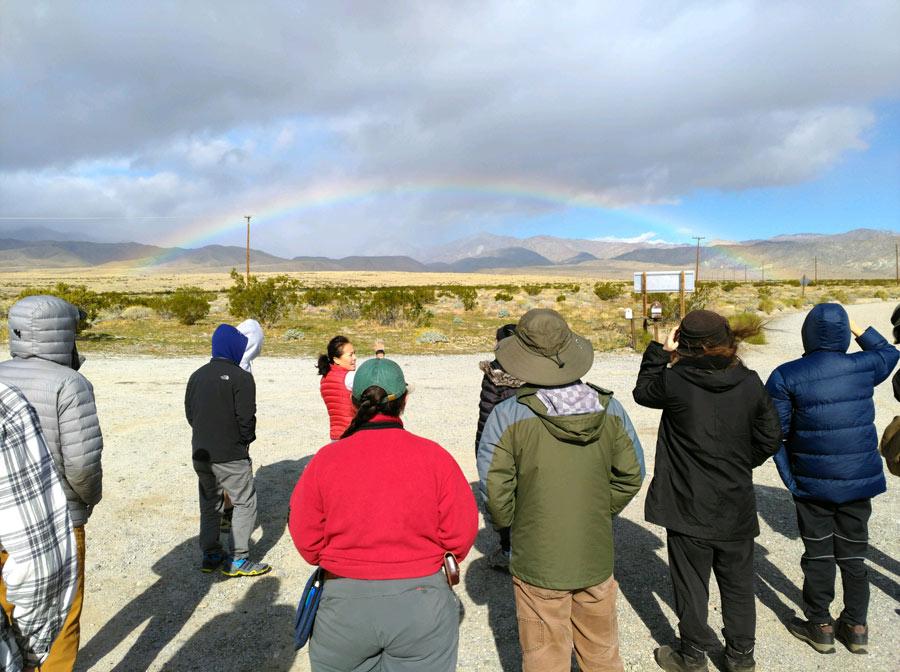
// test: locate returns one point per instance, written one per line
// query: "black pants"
(834, 533)
(690, 561)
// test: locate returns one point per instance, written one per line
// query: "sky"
(382, 128)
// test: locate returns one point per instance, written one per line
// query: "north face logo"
(225, 377)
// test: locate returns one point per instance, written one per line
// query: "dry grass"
(142, 332)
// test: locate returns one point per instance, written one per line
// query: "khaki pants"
(65, 647)
(552, 621)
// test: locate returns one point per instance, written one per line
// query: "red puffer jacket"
(337, 400)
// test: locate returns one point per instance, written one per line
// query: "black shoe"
(211, 562)
(739, 661)
(688, 659)
(854, 637)
(818, 636)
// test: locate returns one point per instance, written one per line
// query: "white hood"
(254, 334)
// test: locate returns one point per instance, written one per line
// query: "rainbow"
(203, 230)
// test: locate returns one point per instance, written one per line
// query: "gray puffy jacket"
(44, 359)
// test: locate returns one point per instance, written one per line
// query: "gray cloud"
(212, 103)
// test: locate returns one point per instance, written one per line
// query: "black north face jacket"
(220, 406)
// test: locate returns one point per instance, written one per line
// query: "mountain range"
(857, 253)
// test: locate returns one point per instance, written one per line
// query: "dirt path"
(148, 607)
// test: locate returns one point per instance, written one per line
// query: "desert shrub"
(430, 336)
(319, 296)
(532, 290)
(764, 292)
(294, 335)
(642, 339)
(766, 306)
(792, 283)
(467, 295)
(841, 296)
(424, 295)
(503, 296)
(607, 291)
(188, 304)
(503, 313)
(458, 320)
(700, 298)
(753, 320)
(264, 301)
(560, 298)
(348, 305)
(389, 306)
(80, 296)
(575, 289)
(136, 312)
(793, 301)
(730, 286)
(881, 294)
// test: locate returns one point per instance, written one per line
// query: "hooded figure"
(718, 423)
(254, 333)
(557, 462)
(831, 465)
(44, 368)
(220, 406)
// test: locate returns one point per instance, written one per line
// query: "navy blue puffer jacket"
(824, 400)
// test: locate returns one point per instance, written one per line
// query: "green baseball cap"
(383, 373)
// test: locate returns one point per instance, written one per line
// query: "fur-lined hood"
(498, 376)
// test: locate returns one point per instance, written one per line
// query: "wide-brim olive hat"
(545, 351)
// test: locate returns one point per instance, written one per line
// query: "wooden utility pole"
(247, 217)
(697, 266)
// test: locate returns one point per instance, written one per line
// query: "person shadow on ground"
(643, 578)
(776, 507)
(168, 604)
(269, 648)
(488, 586)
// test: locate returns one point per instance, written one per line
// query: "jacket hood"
(497, 375)
(44, 327)
(254, 333)
(713, 379)
(228, 343)
(827, 327)
(580, 429)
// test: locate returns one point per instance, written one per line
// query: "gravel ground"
(148, 607)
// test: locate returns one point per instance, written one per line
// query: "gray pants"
(235, 478)
(404, 625)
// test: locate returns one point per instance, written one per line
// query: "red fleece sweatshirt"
(382, 504)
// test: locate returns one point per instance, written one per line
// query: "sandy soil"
(148, 607)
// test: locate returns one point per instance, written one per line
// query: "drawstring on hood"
(827, 327)
(228, 343)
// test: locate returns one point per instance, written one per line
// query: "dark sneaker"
(225, 523)
(854, 637)
(688, 659)
(211, 562)
(244, 567)
(818, 636)
(739, 661)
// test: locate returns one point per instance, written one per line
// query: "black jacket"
(717, 425)
(220, 406)
(496, 386)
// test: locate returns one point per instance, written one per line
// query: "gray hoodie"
(43, 367)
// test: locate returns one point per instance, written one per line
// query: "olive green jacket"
(557, 481)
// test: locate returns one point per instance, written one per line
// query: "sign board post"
(644, 297)
(629, 315)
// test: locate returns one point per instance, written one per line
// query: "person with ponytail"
(377, 510)
(718, 423)
(337, 368)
